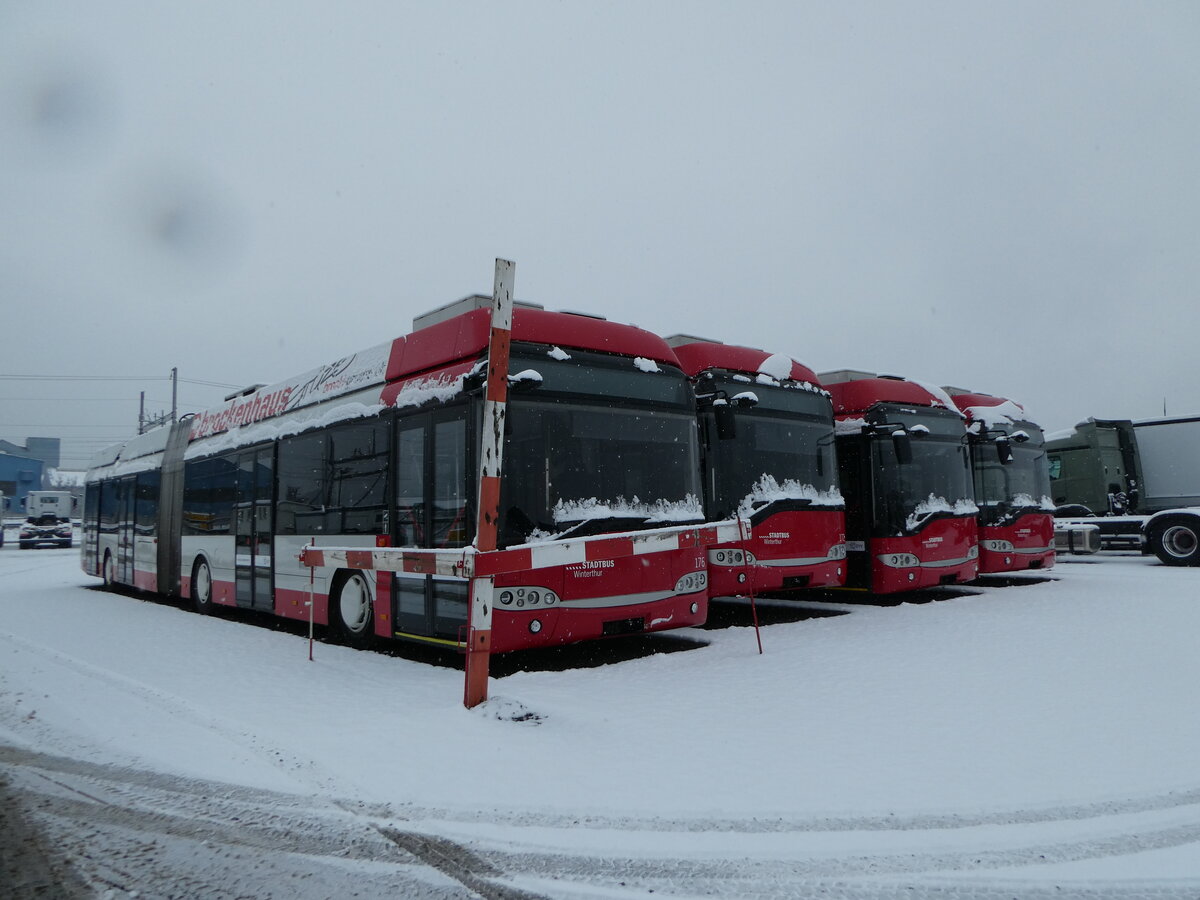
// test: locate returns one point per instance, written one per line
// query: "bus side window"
(410, 486)
(451, 525)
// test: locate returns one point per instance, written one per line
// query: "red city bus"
(379, 449)
(766, 433)
(905, 473)
(1012, 483)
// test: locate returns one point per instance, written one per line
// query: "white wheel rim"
(203, 583)
(354, 604)
(1179, 541)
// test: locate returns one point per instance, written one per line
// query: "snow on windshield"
(558, 353)
(685, 510)
(767, 489)
(934, 504)
(646, 365)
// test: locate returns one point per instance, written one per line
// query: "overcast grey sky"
(1000, 196)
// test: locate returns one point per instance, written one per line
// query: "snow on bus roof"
(438, 346)
(855, 391)
(696, 354)
(465, 336)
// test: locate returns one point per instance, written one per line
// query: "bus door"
(253, 528)
(434, 501)
(126, 494)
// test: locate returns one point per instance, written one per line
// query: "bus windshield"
(576, 464)
(937, 483)
(1005, 492)
(783, 449)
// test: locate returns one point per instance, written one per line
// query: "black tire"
(26, 545)
(201, 591)
(352, 610)
(1176, 540)
(108, 572)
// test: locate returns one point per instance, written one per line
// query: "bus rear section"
(766, 433)
(381, 449)
(904, 466)
(1012, 483)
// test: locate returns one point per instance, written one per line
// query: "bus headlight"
(998, 546)
(527, 596)
(898, 560)
(973, 552)
(727, 557)
(837, 551)
(691, 582)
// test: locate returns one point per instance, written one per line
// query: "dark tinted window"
(303, 484)
(146, 502)
(208, 494)
(108, 506)
(598, 374)
(334, 481)
(358, 465)
(615, 466)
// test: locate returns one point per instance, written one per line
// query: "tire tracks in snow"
(124, 829)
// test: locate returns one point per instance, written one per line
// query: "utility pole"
(174, 394)
(142, 414)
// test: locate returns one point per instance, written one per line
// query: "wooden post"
(491, 458)
(312, 576)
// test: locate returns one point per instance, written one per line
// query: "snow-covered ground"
(1038, 739)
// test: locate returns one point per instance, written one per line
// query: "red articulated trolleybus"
(766, 431)
(906, 477)
(379, 449)
(1012, 483)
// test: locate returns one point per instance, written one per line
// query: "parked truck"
(47, 519)
(1138, 482)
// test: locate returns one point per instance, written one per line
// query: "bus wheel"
(202, 587)
(106, 572)
(351, 610)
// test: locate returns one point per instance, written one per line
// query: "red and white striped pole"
(491, 458)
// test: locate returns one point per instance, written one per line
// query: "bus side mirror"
(902, 444)
(726, 422)
(1004, 450)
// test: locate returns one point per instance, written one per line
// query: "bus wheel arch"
(352, 608)
(201, 588)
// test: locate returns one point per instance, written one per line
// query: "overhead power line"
(217, 384)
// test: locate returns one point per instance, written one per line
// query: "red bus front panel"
(944, 552)
(632, 595)
(1027, 543)
(788, 550)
